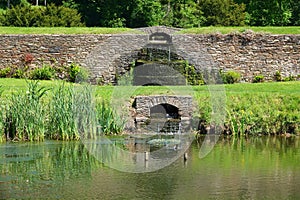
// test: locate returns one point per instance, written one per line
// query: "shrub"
(44, 73)
(25, 15)
(4, 73)
(28, 58)
(61, 16)
(277, 76)
(230, 77)
(77, 74)
(290, 78)
(19, 73)
(258, 79)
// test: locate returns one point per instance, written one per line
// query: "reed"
(108, 120)
(263, 114)
(25, 114)
(61, 124)
(2, 116)
(72, 113)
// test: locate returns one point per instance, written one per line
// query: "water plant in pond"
(2, 116)
(72, 113)
(25, 114)
(108, 120)
(61, 116)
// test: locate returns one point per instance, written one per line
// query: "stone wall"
(47, 49)
(108, 56)
(253, 54)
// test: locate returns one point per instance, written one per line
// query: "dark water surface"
(255, 168)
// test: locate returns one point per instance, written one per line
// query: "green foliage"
(192, 76)
(230, 77)
(18, 73)
(25, 15)
(269, 12)
(185, 14)
(277, 76)
(60, 16)
(289, 78)
(223, 12)
(109, 122)
(77, 74)
(146, 13)
(295, 8)
(248, 115)
(44, 73)
(25, 114)
(5, 72)
(258, 79)
(71, 113)
(141, 13)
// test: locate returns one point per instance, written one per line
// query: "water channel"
(255, 168)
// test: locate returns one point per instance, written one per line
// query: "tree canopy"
(142, 13)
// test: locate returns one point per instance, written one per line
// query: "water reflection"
(248, 168)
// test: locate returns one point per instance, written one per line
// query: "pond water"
(254, 168)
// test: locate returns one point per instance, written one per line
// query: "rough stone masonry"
(108, 56)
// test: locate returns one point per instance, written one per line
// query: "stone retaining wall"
(108, 56)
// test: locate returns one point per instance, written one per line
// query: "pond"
(255, 168)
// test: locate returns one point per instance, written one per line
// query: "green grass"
(65, 30)
(99, 30)
(226, 30)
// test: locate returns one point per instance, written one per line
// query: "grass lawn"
(65, 30)
(226, 30)
(100, 30)
(284, 88)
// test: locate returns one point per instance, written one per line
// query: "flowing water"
(255, 168)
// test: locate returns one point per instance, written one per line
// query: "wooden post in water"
(146, 155)
(185, 156)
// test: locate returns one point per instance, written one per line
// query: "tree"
(269, 12)
(25, 15)
(295, 9)
(145, 13)
(223, 12)
(182, 13)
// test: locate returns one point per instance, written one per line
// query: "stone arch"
(113, 56)
(180, 105)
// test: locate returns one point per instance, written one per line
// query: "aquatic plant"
(72, 113)
(108, 120)
(25, 114)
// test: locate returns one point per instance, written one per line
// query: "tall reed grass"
(25, 114)
(2, 116)
(257, 113)
(66, 112)
(108, 120)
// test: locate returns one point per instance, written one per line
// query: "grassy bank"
(226, 30)
(99, 30)
(64, 30)
(65, 111)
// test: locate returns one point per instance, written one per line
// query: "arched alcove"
(111, 59)
(164, 111)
